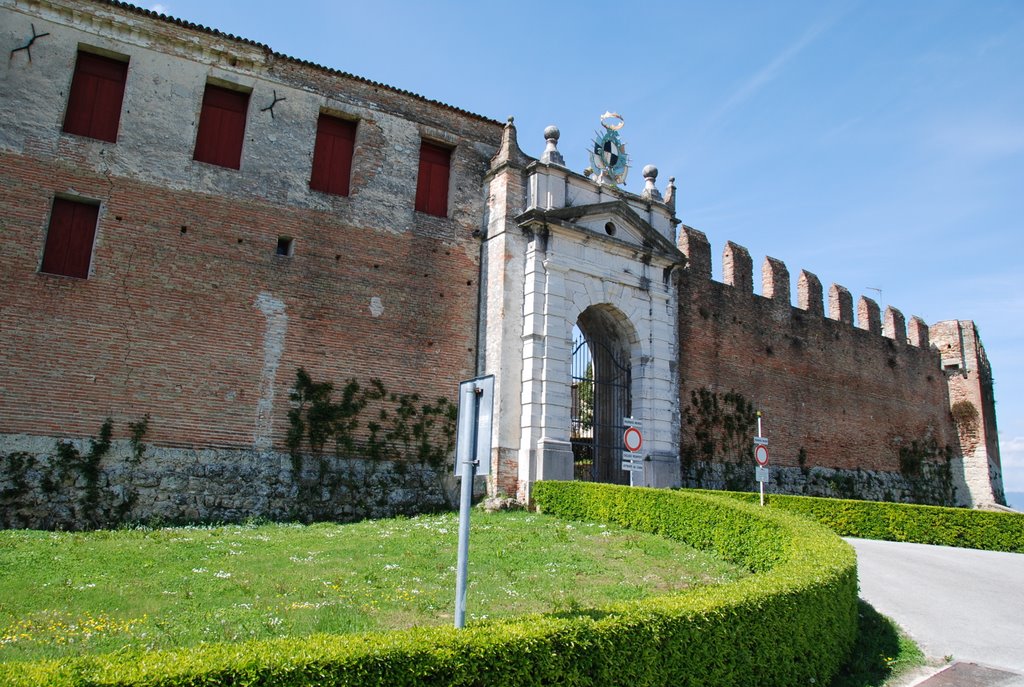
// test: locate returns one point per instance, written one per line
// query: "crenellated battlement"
(737, 272)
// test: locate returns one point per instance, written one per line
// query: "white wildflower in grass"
(222, 575)
(392, 566)
(199, 571)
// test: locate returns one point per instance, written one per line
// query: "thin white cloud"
(159, 8)
(769, 72)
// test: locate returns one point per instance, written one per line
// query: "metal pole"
(760, 484)
(468, 473)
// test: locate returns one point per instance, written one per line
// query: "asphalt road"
(954, 602)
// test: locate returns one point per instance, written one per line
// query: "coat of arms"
(609, 156)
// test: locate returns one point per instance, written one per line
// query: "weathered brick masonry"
(189, 314)
(833, 394)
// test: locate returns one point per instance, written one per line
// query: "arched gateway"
(579, 322)
(602, 393)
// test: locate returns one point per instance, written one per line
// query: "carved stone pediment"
(614, 221)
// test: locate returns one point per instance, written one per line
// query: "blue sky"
(879, 145)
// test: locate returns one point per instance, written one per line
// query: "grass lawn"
(65, 594)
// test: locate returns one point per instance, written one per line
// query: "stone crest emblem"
(608, 156)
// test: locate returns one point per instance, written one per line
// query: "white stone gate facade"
(559, 244)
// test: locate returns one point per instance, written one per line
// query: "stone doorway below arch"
(601, 397)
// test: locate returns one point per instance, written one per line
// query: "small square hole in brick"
(285, 246)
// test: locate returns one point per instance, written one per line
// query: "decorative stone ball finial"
(650, 192)
(551, 154)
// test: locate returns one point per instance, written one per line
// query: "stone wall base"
(178, 485)
(937, 484)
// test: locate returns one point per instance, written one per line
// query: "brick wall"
(832, 394)
(188, 314)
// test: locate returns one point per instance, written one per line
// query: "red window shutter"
(332, 155)
(69, 239)
(432, 185)
(97, 92)
(221, 127)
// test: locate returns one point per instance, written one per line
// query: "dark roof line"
(263, 46)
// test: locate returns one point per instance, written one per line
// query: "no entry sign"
(761, 450)
(632, 439)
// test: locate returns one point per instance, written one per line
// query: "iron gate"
(600, 400)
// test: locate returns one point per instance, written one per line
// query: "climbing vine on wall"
(927, 470)
(965, 415)
(718, 429)
(366, 430)
(74, 488)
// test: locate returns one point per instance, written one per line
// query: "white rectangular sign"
(633, 465)
(761, 474)
(476, 404)
(760, 441)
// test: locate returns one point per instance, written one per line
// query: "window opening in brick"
(97, 92)
(69, 239)
(432, 184)
(285, 246)
(332, 155)
(221, 127)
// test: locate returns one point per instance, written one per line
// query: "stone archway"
(602, 395)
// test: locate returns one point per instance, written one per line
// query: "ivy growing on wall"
(719, 428)
(926, 467)
(72, 487)
(366, 431)
(965, 415)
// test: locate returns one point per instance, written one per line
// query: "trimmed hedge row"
(792, 623)
(960, 527)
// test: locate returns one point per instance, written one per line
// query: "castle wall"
(189, 314)
(871, 409)
(972, 406)
(192, 316)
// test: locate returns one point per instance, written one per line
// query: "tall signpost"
(472, 457)
(761, 456)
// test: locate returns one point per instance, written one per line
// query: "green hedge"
(791, 623)
(961, 527)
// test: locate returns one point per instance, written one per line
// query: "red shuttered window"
(221, 127)
(97, 91)
(68, 249)
(332, 155)
(432, 185)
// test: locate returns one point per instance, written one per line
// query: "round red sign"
(632, 439)
(761, 455)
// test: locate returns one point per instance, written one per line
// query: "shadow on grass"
(881, 652)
